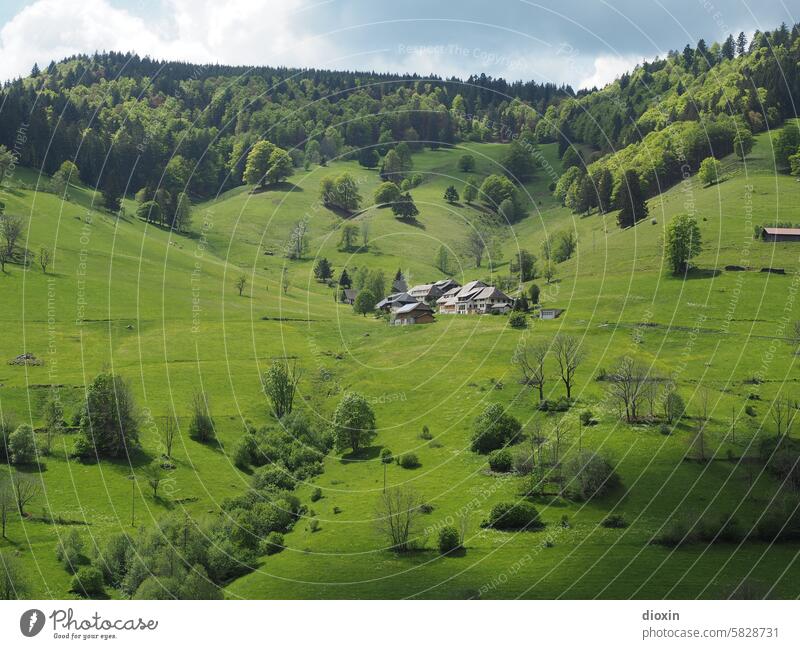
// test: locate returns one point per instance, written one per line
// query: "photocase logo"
(31, 622)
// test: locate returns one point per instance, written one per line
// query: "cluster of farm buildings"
(417, 305)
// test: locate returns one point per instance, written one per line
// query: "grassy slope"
(439, 375)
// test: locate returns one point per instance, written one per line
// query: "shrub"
(517, 320)
(719, 529)
(614, 522)
(449, 539)
(243, 454)
(561, 405)
(201, 425)
(88, 581)
(665, 429)
(750, 411)
(524, 462)
(316, 494)
(494, 429)
(386, 456)
(501, 461)
(22, 445)
(426, 508)
(589, 476)
(272, 544)
(409, 461)
(273, 477)
(313, 525)
(514, 516)
(69, 551)
(426, 433)
(679, 531)
(587, 418)
(781, 522)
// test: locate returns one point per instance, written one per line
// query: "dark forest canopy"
(133, 123)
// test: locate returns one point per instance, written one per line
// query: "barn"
(780, 234)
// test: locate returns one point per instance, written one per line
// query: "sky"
(579, 42)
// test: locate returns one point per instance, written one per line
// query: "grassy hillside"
(716, 329)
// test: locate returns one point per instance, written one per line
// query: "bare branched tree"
(475, 246)
(560, 431)
(45, 256)
(568, 353)
(530, 357)
(6, 503)
(168, 433)
(627, 385)
(25, 489)
(398, 511)
(783, 412)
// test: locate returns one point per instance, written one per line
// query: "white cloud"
(606, 69)
(236, 32)
(278, 32)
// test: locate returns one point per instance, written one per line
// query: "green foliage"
(258, 163)
(88, 581)
(710, 171)
(273, 544)
(518, 320)
(495, 189)
(323, 270)
(109, 424)
(514, 516)
(786, 143)
(494, 429)
(500, 461)
(386, 456)
(404, 207)
(450, 194)
(471, 189)
(629, 199)
(353, 423)
(683, 242)
(341, 191)
(365, 302)
(69, 551)
(533, 293)
(589, 476)
(409, 461)
(201, 424)
(387, 193)
(449, 539)
(518, 161)
(466, 163)
(22, 445)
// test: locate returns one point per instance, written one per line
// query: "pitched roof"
(794, 232)
(395, 298)
(469, 289)
(490, 291)
(350, 293)
(417, 306)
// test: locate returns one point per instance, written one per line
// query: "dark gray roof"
(408, 308)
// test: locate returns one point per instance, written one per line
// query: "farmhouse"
(474, 297)
(780, 234)
(432, 291)
(394, 302)
(409, 314)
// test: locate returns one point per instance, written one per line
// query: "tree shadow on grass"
(699, 273)
(413, 222)
(362, 455)
(284, 185)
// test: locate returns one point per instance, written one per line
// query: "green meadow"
(161, 309)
